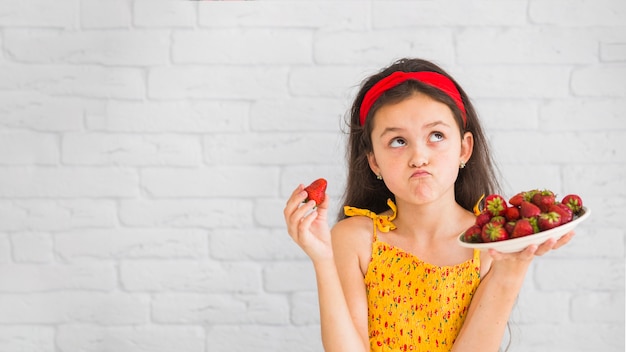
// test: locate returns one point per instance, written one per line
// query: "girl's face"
(417, 148)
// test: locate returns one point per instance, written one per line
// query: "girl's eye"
(436, 137)
(397, 142)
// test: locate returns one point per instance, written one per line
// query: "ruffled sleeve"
(383, 222)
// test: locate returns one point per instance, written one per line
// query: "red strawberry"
(512, 213)
(533, 223)
(494, 233)
(543, 199)
(495, 204)
(547, 221)
(523, 227)
(472, 235)
(566, 213)
(509, 226)
(574, 202)
(517, 199)
(498, 220)
(529, 210)
(483, 218)
(316, 191)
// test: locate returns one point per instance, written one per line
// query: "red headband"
(433, 79)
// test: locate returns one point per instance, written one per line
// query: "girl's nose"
(419, 157)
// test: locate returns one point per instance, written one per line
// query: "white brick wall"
(147, 148)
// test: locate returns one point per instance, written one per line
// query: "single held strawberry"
(316, 191)
(529, 210)
(495, 204)
(548, 221)
(494, 233)
(543, 199)
(523, 227)
(574, 202)
(472, 235)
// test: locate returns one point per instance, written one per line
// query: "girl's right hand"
(308, 225)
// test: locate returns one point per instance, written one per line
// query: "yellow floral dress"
(414, 305)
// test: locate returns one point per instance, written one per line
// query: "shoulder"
(353, 230)
(352, 241)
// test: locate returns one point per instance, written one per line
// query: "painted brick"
(189, 308)
(74, 307)
(253, 244)
(307, 14)
(165, 14)
(207, 213)
(270, 148)
(561, 337)
(77, 81)
(38, 13)
(220, 181)
(299, 114)
(40, 278)
(27, 338)
(247, 46)
(521, 45)
(600, 307)
(67, 182)
(289, 276)
(599, 81)
(613, 52)
(381, 47)
(571, 274)
(153, 338)
(328, 81)
(131, 150)
(33, 111)
(96, 14)
(502, 81)
(175, 117)
(264, 338)
(127, 243)
(32, 247)
(56, 215)
(216, 82)
(5, 248)
(113, 47)
(28, 148)
(448, 13)
(577, 12)
(198, 276)
(305, 308)
(582, 115)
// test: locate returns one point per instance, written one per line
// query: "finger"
(294, 201)
(564, 240)
(545, 247)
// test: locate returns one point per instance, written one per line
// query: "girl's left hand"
(511, 265)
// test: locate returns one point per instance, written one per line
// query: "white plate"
(518, 244)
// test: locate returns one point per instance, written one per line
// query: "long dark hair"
(363, 190)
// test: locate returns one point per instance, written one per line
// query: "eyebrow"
(428, 125)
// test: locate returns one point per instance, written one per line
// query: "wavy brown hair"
(363, 190)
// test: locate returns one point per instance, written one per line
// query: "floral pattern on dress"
(414, 305)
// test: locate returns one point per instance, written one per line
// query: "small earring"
(462, 165)
(379, 177)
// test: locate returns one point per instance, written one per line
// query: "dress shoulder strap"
(382, 223)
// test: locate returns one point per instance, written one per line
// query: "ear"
(371, 159)
(467, 146)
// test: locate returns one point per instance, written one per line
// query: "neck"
(434, 220)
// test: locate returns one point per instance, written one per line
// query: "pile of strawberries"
(526, 213)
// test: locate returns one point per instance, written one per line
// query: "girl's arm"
(308, 226)
(494, 298)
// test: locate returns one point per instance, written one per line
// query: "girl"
(390, 274)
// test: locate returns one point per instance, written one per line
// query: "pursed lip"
(420, 173)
